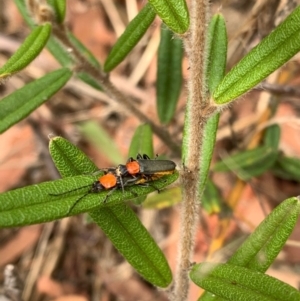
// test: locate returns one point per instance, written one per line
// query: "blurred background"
(71, 259)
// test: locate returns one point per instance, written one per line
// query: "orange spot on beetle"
(108, 181)
(133, 167)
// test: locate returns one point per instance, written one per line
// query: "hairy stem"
(198, 101)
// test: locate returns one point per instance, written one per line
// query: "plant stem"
(198, 101)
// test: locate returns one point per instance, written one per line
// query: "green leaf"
(132, 34)
(22, 102)
(169, 75)
(99, 138)
(136, 245)
(28, 51)
(272, 52)
(208, 145)
(237, 283)
(59, 7)
(53, 200)
(68, 159)
(141, 142)
(37, 204)
(249, 163)
(54, 46)
(174, 13)
(279, 172)
(263, 245)
(252, 163)
(261, 248)
(217, 51)
(215, 70)
(288, 168)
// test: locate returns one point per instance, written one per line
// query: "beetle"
(139, 171)
(146, 167)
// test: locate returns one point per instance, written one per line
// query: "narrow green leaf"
(217, 51)
(132, 34)
(59, 7)
(264, 244)
(169, 75)
(249, 163)
(28, 51)
(262, 247)
(53, 45)
(38, 204)
(237, 283)
(281, 173)
(68, 159)
(287, 168)
(208, 145)
(258, 169)
(135, 244)
(272, 52)
(215, 70)
(99, 137)
(174, 13)
(272, 136)
(21, 103)
(141, 142)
